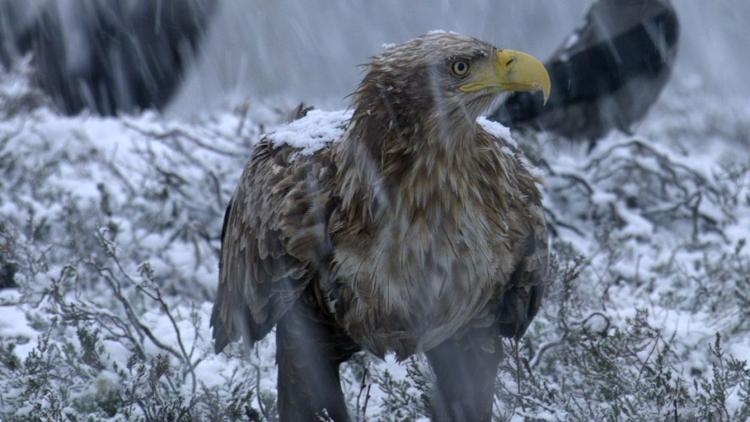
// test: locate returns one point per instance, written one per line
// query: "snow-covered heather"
(113, 228)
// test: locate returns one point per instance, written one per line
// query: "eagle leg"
(465, 370)
(308, 352)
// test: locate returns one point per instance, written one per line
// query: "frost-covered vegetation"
(109, 235)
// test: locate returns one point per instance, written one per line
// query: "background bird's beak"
(511, 71)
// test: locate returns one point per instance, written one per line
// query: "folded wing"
(273, 241)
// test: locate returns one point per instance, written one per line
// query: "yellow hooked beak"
(511, 71)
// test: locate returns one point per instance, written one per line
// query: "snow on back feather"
(314, 131)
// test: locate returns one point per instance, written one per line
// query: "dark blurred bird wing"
(273, 239)
(606, 75)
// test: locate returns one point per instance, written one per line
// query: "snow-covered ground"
(112, 226)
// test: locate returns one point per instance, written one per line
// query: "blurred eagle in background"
(417, 231)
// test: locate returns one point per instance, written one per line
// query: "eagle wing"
(527, 283)
(273, 240)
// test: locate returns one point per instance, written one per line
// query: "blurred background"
(309, 50)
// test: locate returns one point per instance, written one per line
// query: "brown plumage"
(416, 231)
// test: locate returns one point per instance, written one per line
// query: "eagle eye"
(460, 68)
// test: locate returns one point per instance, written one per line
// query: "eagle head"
(444, 79)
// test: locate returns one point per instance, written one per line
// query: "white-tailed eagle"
(415, 230)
